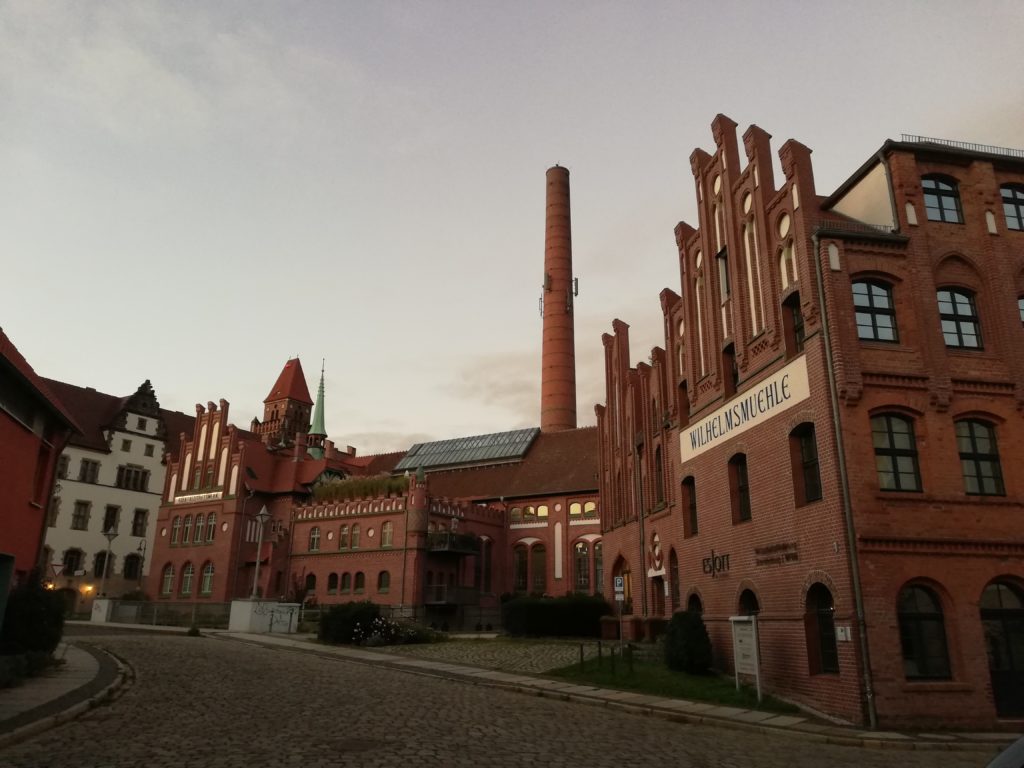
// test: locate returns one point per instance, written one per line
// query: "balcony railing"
(443, 594)
(457, 543)
(987, 149)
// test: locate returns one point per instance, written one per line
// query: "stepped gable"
(291, 384)
(10, 354)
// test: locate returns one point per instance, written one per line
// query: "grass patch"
(655, 679)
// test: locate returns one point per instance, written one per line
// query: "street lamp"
(142, 559)
(110, 536)
(262, 516)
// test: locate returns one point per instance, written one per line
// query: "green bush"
(570, 616)
(34, 620)
(346, 623)
(687, 645)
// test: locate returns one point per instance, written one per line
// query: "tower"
(286, 409)
(558, 353)
(318, 431)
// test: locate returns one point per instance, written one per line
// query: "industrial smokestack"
(558, 355)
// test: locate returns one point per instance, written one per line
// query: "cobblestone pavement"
(529, 657)
(219, 703)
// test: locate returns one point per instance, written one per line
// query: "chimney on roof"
(350, 450)
(558, 352)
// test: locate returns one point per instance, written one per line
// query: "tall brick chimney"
(558, 355)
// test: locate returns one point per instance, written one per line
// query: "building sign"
(745, 657)
(192, 498)
(776, 554)
(715, 564)
(776, 394)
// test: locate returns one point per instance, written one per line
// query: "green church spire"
(317, 430)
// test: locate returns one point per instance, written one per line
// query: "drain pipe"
(844, 483)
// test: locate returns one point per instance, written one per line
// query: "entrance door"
(1002, 616)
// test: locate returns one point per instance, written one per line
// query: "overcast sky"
(193, 192)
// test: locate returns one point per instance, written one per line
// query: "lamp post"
(142, 559)
(110, 536)
(262, 516)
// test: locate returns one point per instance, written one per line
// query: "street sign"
(620, 589)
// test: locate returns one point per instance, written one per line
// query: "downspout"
(639, 496)
(844, 484)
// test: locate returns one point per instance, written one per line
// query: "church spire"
(317, 430)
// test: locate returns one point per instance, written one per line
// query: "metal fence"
(208, 615)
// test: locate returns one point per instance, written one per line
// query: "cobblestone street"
(220, 703)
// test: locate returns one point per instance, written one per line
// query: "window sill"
(936, 686)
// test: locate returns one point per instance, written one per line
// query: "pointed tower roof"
(317, 429)
(291, 384)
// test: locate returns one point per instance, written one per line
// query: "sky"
(194, 192)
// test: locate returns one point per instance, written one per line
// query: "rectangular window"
(80, 517)
(139, 522)
(111, 518)
(148, 451)
(690, 505)
(740, 488)
(126, 445)
(132, 477)
(62, 466)
(88, 471)
(141, 424)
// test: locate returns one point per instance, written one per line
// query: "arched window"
(793, 330)
(820, 629)
(787, 266)
(346, 582)
(673, 578)
(1013, 205)
(575, 509)
(175, 529)
(515, 515)
(979, 458)
(314, 539)
(529, 514)
(803, 452)
(211, 526)
(542, 510)
(355, 536)
(875, 311)
(200, 529)
(519, 568)
(581, 566)
(739, 487)
(387, 532)
(659, 477)
(959, 316)
(749, 606)
(206, 582)
(332, 583)
(343, 537)
(360, 582)
(590, 509)
(689, 488)
(310, 582)
(383, 582)
(922, 634)
(132, 568)
(942, 199)
(188, 571)
(167, 581)
(186, 529)
(895, 453)
(538, 569)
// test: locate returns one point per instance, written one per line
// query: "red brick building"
(34, 428)
(829, 432)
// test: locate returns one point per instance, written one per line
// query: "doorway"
(1002, 617)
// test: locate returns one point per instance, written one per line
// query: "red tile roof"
(291, 384)
(557, 463)
(10, 355)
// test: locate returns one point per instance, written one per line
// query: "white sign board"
(745, 654)
(779, 392)
(620, 589)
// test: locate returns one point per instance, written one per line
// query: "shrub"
(338, 625)
(687, 645)
(34, 620)
(571, 616)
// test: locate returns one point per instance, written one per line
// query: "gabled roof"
(291, 384)
(563, 462)
(495, 448)
(12, 359)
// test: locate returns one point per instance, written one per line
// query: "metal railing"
(208, 615)
(988, 149)
(445, 541)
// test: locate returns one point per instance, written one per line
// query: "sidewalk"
(89, 677)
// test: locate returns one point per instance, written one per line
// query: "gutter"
(844, 485)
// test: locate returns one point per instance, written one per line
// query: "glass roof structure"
(496, 448)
